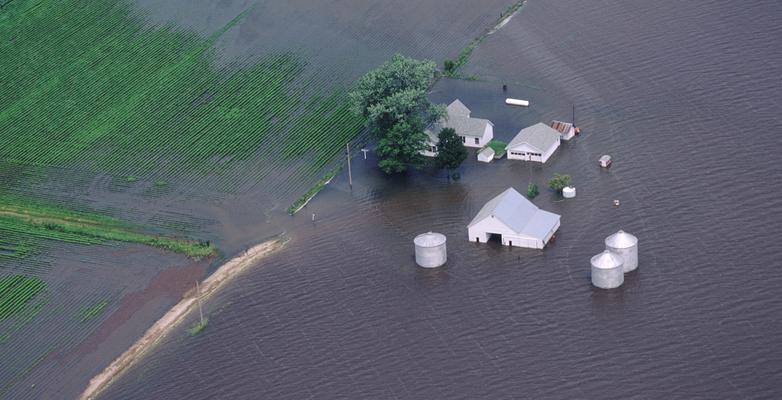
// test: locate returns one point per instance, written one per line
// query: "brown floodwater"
(685, 96)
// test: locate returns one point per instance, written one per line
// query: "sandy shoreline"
(174, 316)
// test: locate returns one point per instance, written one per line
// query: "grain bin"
(626, 246)
(607, 270)
(430, 250)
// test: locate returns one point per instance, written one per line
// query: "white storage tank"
(430, 250)
(568, 192)
(626, 246)
(607, 270)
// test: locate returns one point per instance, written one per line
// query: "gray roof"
(539, 136)
(429, 239)
(459, 119)
(519, 214)
(621, 240)
(607, 260)
(457, 108)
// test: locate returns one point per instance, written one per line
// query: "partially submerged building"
(475, 132)
(566, 129)
(534, 143)
(515, 220)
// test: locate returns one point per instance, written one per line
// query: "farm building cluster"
(534, 143)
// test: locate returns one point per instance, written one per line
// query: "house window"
(477, 141)
(464, 139)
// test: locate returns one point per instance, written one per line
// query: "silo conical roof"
(607, 260)
(429, 239)
(621, 240)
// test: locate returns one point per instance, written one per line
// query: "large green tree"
(450, 150)
(396, 94)
(400, 147)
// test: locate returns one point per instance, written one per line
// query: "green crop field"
(16, 291)
(34, 221)
(86, 85)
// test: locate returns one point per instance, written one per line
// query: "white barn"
(515, 219)
(475, 132)
(534, 143)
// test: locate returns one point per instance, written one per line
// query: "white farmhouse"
(515, 220)
(534, 143)
(475, 132)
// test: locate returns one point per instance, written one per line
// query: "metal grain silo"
(607, 270)
(430, 250)
(626, 246)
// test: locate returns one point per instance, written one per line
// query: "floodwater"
(684, 95)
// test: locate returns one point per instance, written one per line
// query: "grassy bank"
(51, 223)
(303, 200)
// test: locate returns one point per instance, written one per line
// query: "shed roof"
(518, 214)
(539, 136)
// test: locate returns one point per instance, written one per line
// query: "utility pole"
(200, 308)
(365, 152)
(350, 173)
(574, 116)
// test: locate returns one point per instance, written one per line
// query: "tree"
(401, 147)
(532, 190)
(449, 66)
(450, 150)
(393, 100)
(558, 182)
(396, 91)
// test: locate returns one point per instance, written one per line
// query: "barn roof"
(518, 214)
(539, 136)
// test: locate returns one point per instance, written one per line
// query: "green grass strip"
(47, 222)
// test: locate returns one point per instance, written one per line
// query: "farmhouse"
(534, 143)
(514, 220)
(475, 132)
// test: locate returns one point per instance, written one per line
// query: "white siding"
(481, 232)
(526, 152)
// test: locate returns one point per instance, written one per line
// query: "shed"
(534, 143)
(566, 129)
(514, 220)
(486, 155)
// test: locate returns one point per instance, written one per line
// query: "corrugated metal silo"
(430, 250)
(607, 270)
(626, 246)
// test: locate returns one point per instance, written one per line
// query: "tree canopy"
(559, 182)
(450, 150)
(395, 94)
(401, 147)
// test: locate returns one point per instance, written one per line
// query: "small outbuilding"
(566, 130)
(486, 155)
(514, 220)
(534, 143)
(474, 132)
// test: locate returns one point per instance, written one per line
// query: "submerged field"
(123, 125)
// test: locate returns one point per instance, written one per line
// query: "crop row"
(16, 291)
